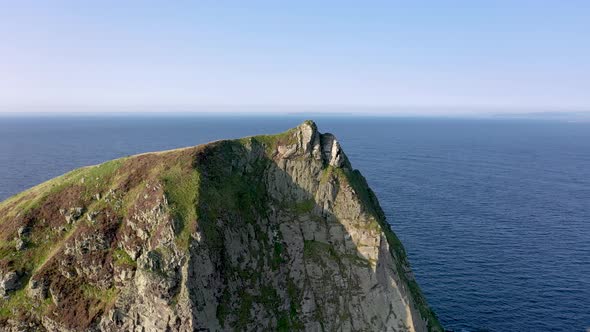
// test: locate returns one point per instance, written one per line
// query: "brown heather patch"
(47, 214)
(147, 198)
(12, 202)
(140, 174)
(137, 169)
(75, 309)
(185, 158)
(145, 167)
(108, 227)
(70, 197)
(10, 227)
(6, 264)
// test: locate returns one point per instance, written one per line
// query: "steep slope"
(262, 233)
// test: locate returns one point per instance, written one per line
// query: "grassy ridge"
(181, 187)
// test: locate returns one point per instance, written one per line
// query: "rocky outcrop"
(263, 233)
(9, 282)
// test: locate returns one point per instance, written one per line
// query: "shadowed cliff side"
(263, 233)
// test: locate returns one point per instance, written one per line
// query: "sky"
(446, 56)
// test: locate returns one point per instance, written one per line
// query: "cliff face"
(261, 233)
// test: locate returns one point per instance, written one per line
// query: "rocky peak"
(332, 153)
(310, 142)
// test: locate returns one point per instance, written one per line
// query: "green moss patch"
(181, 188)
(305, 206)
(122, 258)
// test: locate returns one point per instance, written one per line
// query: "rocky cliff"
(273, 232)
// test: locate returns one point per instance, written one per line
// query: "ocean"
(494, 214)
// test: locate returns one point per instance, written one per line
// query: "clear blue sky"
(446, 54)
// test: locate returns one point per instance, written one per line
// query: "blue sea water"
(494, 214)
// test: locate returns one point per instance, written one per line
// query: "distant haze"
(381, 57)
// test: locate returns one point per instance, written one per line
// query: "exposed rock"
(22, 231)
(331, 151)
(264, 233)
(20, 244)
(38, 289)
(91, 216)
(72, 214)
(9, 282)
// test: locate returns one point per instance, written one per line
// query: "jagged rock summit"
(274, 232)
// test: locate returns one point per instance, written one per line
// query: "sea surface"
(494, 214)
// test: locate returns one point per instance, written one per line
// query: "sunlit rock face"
(272, 232)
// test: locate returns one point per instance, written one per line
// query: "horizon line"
(269, 109)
